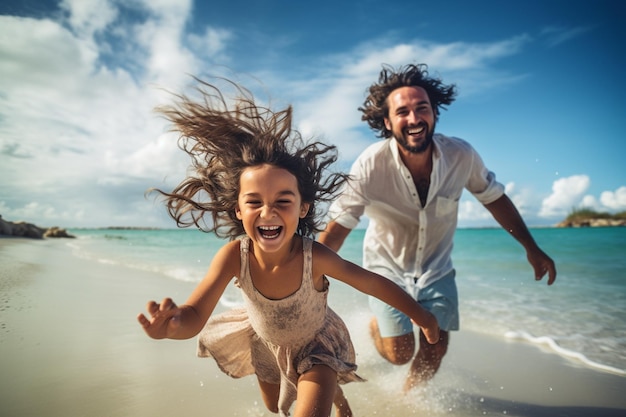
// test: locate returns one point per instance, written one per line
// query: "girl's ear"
(304, 209)
(238, 212)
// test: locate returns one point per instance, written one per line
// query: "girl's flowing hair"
(223, 140)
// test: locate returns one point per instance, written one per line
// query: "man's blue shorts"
(440, 298)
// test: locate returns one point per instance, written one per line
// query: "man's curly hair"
(376, 108)
(223, 141)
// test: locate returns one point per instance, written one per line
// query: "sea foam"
(551, 343)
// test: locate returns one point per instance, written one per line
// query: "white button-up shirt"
(404, 241)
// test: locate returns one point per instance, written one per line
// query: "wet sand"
(70, 346)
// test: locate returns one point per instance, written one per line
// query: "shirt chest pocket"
(446, 206)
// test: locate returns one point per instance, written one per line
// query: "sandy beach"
(70, 346)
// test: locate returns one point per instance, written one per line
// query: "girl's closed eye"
(253, 203)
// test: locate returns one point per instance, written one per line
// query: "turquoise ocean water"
(582, 316)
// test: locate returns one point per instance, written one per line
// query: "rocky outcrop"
(55, 231)
(591, 222)
(23, 229)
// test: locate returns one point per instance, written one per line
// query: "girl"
(260, 183)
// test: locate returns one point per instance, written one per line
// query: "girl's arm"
(167, 320)
(327, 262)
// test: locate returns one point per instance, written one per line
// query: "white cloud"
(569, 193)
(149, 160)
(566, 194)
(79, 141)
(614, 200)
(525, 200)
(160, 36)
(213, 41)
(78, 93)
(590, 202)
(471, 212)
(74, 123)
(446, 57)
(555, 36)
(40, 52)
(88, 17)
(331, 98)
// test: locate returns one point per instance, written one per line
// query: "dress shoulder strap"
(244, 250)
(244, 244)
(307, 245)
(307, 252)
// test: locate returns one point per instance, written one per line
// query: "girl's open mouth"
(270, 232)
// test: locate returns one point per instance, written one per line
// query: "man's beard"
(422, 147)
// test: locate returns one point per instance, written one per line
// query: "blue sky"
(540, 93)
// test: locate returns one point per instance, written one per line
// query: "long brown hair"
(223, 141)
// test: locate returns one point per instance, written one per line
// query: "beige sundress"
(279, 340)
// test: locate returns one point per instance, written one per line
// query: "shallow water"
(582, 315)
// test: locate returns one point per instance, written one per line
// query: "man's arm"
(334, 235)
(505, 213)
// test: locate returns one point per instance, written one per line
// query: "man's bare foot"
(427, 361)
(412, 381)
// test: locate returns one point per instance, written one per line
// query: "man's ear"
(387, 124)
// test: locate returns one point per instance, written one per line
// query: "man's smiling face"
(411, 118)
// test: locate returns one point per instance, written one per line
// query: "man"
(409, 185)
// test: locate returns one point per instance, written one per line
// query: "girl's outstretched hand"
(164, 321)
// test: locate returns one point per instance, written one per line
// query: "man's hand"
(542, 264)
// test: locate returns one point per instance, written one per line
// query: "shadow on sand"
(496, 406)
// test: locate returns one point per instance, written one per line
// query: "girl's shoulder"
(229, 252)
(323, 255)
(233, 245)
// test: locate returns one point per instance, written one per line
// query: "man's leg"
(398, 349)
(342, 408)
(427, 361)
(441, 299)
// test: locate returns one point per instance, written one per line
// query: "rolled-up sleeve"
(482, 183)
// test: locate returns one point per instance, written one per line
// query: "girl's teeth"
(269, 232)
